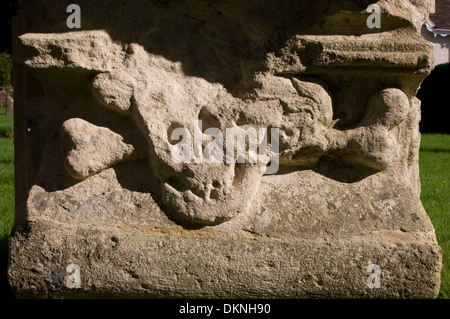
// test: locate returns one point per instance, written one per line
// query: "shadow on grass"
(435, 150)
(5, 290)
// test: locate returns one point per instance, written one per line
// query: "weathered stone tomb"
(129, 184)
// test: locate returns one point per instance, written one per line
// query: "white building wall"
(441, 46)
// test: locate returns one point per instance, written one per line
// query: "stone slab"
(146, 262)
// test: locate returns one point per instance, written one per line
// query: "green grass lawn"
(435, 179)
(6, 123)
(6, 194)
(6, 206)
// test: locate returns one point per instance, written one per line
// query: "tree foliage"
(5, 69)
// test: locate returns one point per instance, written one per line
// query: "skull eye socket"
(216, 184)
(176, 138)
(208, 120)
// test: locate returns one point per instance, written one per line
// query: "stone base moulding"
(278, 249)
(140, 262)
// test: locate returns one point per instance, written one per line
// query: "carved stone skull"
(159, 98)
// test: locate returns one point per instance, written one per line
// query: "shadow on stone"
(5, 290)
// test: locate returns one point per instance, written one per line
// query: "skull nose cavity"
(215, 194)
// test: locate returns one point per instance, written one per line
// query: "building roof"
(441, 17)
(439, 22)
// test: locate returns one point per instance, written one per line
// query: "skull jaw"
(197, 212)
(193, 211)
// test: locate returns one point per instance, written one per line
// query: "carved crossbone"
(156, 94)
